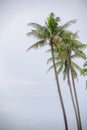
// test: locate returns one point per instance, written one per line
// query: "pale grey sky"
(28, 95)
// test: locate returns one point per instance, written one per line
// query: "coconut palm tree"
(48, 34)
(70, 49)
(63, 66)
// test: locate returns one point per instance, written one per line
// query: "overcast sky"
(28, 95)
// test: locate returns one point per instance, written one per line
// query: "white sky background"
(28, 95)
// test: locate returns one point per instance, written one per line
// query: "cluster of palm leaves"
(65, 48)
(84, 71)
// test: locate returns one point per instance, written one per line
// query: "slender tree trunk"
(59, 90)
(74, 106)
(77, 104)
(75, 95)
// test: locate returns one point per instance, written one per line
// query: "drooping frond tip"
(35, 25)
(36, 45)
(69, 23)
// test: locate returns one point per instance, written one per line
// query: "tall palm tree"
(62, 64)
(70, 49)
(47, 35)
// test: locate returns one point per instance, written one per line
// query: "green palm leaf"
(40, 34)
(74, 72)
(37, 44)
(79, 54)
(76, 66)
(58, 64)
(60, 69)
(35, 25)
(85, 65)
(50, 68)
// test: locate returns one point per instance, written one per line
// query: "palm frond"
(58, 19)
(85, 64)
(34, 33)
(41, 33)
(83, 72)
(35, 25)
(69, 23)
(49, 50)
(49, 60)
(58, 64)
(36, 45)
(80, 45)
(52, 23)
(75, 35)
(60, 69)
(50, 68)
(76, 66)
(79, 54)
(74, 72)
(30, 33)
(56, 59)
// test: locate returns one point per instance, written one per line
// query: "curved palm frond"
(49, 60)
(58, 19)
(84, 70)
(35, 25)
(80, 45)
(69, 23)
(74, 72)
(76, 66)
(60, 69)
(39, 33)
(85, 64)
(37, 44)
(58, 64)
(79, 54)
(50, 68)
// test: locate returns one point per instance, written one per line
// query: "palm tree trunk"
(77, 104)
(59, 90)
(74, 106)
